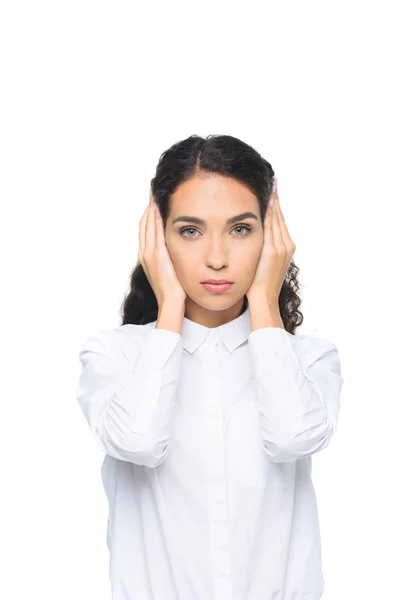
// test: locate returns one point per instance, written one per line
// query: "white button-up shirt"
(209, 436)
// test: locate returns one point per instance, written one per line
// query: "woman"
(205, 401)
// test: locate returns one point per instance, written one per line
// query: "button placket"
(215, 472)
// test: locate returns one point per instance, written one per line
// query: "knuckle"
(146, 256)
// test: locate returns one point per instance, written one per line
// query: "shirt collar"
(232, 334)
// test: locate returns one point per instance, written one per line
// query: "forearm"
(127, 390)
(298, 383)
(170, 316)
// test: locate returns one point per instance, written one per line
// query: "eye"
(187, 229)
(247, 228)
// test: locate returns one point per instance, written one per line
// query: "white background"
(91, 94)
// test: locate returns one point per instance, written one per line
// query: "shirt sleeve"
(298, 384)
(127, 391)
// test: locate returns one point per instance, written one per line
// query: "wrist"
(260, 298)
(264, 312)
(170, 315)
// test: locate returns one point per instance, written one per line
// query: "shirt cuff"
(158, 347)
(271, 348)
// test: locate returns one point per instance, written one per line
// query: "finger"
(268, 232)
(160, 240)
(283, 227)
(278, 206)
(150, 233)
(276, 228)
(142, 232)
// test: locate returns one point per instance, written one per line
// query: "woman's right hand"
(155, 259)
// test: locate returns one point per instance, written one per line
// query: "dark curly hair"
(225, 155)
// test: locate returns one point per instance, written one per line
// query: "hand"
(276, 254)
(155, 258)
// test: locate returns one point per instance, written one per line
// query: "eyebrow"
(197, 221)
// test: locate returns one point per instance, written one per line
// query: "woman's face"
(214, 249)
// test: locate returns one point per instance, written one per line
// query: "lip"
(217, 287)
(217, 281)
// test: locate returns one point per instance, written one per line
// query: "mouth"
(215, 285)
(216, 281)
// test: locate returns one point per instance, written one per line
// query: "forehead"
(212, 196)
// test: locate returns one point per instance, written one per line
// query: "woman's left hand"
(276, 254)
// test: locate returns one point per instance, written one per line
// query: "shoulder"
(313, 348)
(121, 343)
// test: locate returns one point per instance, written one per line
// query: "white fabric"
(209, 437)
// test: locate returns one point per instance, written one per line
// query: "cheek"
(173, 247)
(247, 255)
(184, 257)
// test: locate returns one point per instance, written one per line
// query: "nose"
(216, 253)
